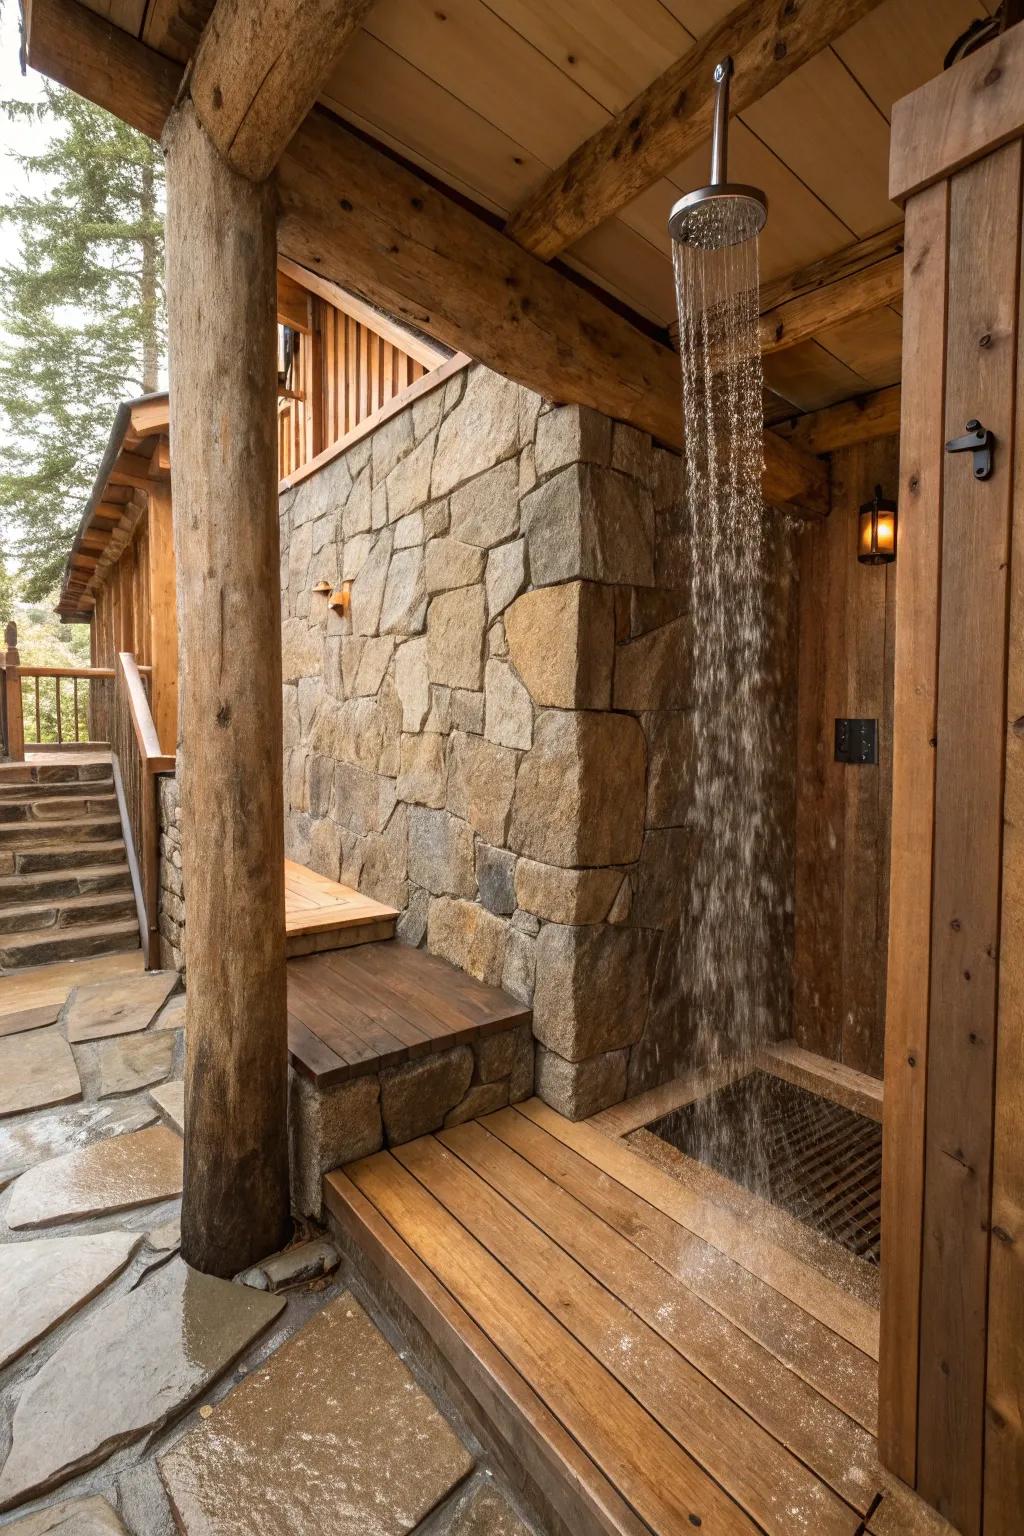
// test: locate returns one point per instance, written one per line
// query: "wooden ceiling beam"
(801, 318)
(259, 68)
(845, 425)
(151, 416)
(766, 40)
(349, 210)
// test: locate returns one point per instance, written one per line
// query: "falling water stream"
(735, 885)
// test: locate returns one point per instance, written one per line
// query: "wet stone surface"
(170, 1100)
(126, 1370)
(91, 1516)
(133, 1062)
(376, 1453)
(33, 1140)
(36, 1070)
(44, 1280)
(121, 1007)
(109, 1176)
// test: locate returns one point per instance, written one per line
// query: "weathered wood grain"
(222, 291)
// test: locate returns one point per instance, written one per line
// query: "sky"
(14, 135)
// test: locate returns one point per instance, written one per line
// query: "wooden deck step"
(322, 914)
(638, 1361)
(43, 946)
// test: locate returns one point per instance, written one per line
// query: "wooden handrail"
(137, 761)
(83, 672)
(154, 758)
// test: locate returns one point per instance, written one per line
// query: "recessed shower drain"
(817, 1160)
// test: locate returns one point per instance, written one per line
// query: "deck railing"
(44, 706)
(137, 760)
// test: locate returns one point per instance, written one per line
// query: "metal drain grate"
(817, 1160)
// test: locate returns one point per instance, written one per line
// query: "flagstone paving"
(376, 1455)
(120, 1007)
(45, 1280)
(170, 1099)
(134, 1062)
(37, 1070)
(107, 1338)
(126, 1370)
(173, 1015)
(109, 1176)
(29, 1018)
(35, 1139)
(91, 1516)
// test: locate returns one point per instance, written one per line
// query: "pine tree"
(81, 317)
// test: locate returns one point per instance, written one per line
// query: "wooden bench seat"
(353, 1011)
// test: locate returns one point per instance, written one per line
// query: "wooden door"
(951, 1379)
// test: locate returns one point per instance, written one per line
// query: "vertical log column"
(221, 283)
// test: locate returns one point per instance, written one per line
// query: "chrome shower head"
(722, 213)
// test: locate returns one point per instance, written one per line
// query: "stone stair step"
(51, 886)
(71, 912)
(45, 945)
(83, 829)
(54, 773)
(16, 793)
(64, 808)
(53, 856)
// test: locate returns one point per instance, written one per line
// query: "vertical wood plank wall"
(952, 1339)
(343, 373)
(847, 616)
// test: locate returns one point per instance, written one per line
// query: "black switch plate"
(856, 741)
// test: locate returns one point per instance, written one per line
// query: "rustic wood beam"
(845, 425)
(259, 68)
(221, 246)
(767, 42)
(149, 416)
(348, 210)
(293, 303)
(829, 269)
(797, 320)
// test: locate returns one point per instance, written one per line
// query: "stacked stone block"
(497, 738)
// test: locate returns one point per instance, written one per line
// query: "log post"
(12, 696)
(221, 283)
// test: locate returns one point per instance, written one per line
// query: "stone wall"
(497, 737)
(171, 915)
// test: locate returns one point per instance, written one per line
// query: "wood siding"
(953, 1179)
(343, 373)
(847, 618)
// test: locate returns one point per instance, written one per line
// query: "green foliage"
(82, 316)
(43, 641)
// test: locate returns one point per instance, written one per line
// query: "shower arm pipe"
(720, 124)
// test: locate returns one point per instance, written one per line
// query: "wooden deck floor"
(323, 914)
(355, 1010)
(658, 1363)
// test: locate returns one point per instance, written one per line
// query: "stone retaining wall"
(171, 916)
(497, 737)
(331, 1126)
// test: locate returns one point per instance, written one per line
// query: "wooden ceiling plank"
(408, 247)
(844, 426)
(259, 68)
(873, 287)
(671, 117)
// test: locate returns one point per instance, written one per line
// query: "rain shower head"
(722, 213)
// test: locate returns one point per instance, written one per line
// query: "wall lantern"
(876, 530)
